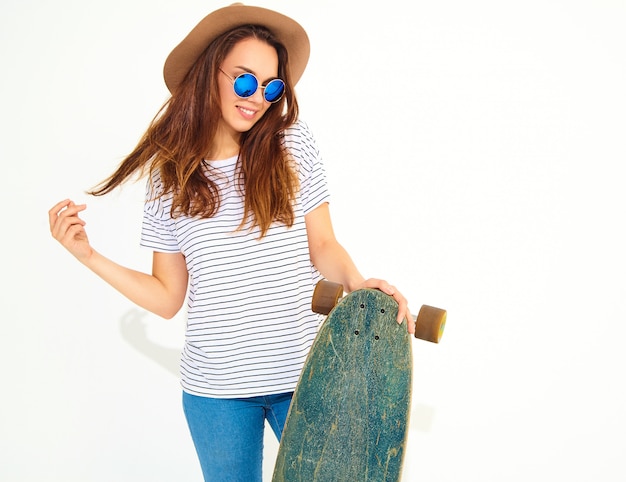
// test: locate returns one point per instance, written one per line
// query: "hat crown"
(288, 32)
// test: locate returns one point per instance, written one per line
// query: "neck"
(225, 145)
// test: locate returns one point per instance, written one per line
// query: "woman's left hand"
(403, 308)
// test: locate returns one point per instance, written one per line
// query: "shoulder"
(299, 135)
(301, 144)
(154, 185)
(156, 199)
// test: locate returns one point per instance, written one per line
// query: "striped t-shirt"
(249, 318)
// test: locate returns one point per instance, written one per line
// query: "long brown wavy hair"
(181, 135)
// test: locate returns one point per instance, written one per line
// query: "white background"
(475, 152)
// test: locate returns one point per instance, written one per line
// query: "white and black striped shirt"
(249, 321)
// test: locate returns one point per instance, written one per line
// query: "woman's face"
(251, 56)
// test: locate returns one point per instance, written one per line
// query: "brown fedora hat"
(289, 32)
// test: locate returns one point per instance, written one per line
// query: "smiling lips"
(247, 113)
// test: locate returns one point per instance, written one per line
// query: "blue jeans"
(228, 433)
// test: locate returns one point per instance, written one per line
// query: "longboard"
(348, 419)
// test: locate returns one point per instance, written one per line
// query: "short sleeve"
(158, 227)
(312, 175)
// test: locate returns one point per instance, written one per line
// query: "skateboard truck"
(429, 322)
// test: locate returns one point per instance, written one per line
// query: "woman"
(237, 216)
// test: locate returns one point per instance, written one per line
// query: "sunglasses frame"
(233, 80)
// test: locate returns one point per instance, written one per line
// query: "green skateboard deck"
(348, 419)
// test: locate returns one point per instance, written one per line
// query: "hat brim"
(289, 32)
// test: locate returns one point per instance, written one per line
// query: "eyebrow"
(246, 69)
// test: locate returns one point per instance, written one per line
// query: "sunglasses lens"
(274, 90)
(245, 85)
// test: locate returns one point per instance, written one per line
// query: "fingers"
(403, 306)
(403, 312)
(54, 212)
(68, 228)
(63, 216)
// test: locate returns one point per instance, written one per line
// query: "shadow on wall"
(134, 330)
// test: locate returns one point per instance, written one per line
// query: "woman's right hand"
(69, 229)
(162, 292)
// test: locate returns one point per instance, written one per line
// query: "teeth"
(246, 111)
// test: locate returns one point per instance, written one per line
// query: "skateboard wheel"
(325, 296)
(430, 323)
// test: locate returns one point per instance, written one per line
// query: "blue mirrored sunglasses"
(246, 84)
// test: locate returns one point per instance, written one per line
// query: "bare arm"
(162, 292)
(335, 264)
(328, 256)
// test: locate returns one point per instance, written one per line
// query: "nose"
(258, 96)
